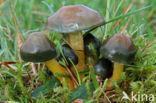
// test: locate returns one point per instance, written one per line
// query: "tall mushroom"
(121, 50)
(37, 48)
(71, 20)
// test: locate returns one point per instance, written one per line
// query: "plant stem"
(55, 67)
(118, 69)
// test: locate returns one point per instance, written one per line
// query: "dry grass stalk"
(127, 9)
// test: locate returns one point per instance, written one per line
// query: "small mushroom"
(119, 49)
(68, 53)
(71, 20)
(103, 68)
(37, 48)
(92, 48)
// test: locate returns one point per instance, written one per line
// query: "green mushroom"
(37, 48)
(72, 20)
(103, 68)
(119, 49)
(92, 48)
(68, 53)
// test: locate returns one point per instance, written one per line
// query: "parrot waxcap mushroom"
(119, 49)
(92, 48)
(71, 21)
(38, 48)
(103, 68)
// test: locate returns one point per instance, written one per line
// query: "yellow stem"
(55, 67)
(118, 69)
(76, 40)
(76, 43)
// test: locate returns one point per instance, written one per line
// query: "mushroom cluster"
(71, 21)
(107, 58)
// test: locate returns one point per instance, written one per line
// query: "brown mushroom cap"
(37, 48)
(74, 18)
(119, 48)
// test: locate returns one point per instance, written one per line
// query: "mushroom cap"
(37, 48)
(104, 68)
(74, 18)
(119, 48)
(68, 52)
(91, 40)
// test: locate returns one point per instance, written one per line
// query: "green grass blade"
(49, 7)
(150, 33)
(121, 2)
(77, 73)
(6, 22)
(128, 14)
(93, 76)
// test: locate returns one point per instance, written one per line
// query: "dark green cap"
(68, 52)
(119, 48)
(89, 41)
(103, 68)
(37, 48)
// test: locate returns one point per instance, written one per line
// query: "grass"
(18, 81)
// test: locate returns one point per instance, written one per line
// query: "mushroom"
(92, 48)
(37, 48)
(119, 49)
(103, 68)
(68, 53)
(71, 20)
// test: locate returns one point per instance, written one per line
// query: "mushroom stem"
(76, 42)
(118, 69)
(55, 67)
